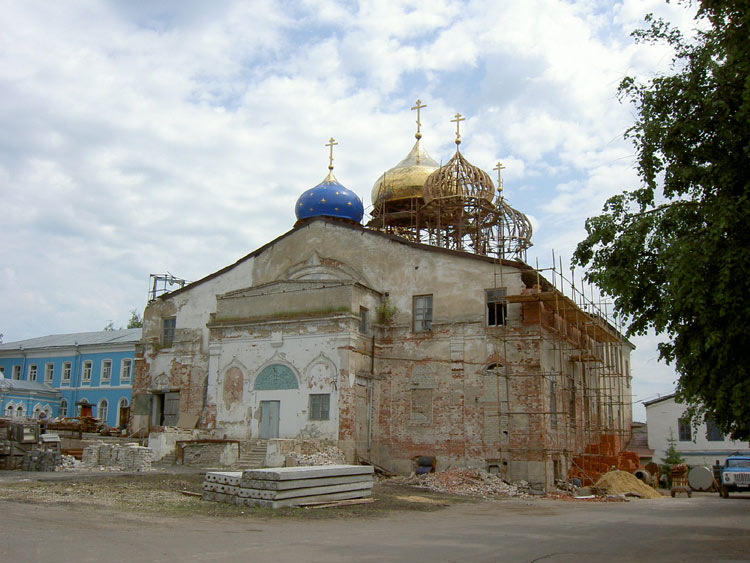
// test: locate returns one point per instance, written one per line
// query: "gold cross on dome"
(418, 107)
(499, 167)
(330, 145)
(457, 121)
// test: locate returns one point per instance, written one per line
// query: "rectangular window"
(685, 431)
(422, 313)
(713, 434)
(497, 307)
(363, 320)
(16, 372)
(167, 331)
(86, 374)
(106, 370)
(32, 372)
(66, 372)
(63, 408)
(49, 373)
(319, 406)
(126, 368)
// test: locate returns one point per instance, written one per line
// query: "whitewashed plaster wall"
(315, 362)
(662, 418)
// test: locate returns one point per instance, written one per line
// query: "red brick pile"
(600, 458)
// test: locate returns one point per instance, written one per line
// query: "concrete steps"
(252, 454)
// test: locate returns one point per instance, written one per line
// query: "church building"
(423, 333)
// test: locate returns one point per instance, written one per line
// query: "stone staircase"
(252, 454)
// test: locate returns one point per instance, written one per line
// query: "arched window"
(122, 412)
(102, 410)
(20, 411)
(63, 408)
(9, 411)
(276, 376)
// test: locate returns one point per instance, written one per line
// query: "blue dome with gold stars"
(330, 199)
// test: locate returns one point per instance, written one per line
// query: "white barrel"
(701, 478)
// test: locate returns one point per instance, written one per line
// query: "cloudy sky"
(141, 137)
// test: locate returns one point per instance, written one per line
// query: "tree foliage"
(675, 252)
(136, 321)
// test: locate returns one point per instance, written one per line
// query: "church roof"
(358, 229)
(329, 199)
(405, 180)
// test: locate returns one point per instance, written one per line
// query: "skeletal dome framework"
(455, 207)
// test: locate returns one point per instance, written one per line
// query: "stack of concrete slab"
(289, 486)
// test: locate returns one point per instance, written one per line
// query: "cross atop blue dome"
(330, 198)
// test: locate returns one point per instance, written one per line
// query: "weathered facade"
(391, 349)
(425, 334)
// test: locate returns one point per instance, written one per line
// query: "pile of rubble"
(68, 463)
(470, 482)
(329, 456)
(130, 457)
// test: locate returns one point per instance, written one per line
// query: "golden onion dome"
(405, 180)
(458, 179)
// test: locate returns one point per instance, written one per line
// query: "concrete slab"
(296, 501)
(299, 483)
(226, 477)
(296, 493)
(307, 472)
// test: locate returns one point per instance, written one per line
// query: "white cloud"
(148, 137)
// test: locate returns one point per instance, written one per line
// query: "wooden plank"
(338, 503)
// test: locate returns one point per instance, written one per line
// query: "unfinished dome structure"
(454, 206)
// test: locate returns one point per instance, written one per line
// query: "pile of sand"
(622, 482)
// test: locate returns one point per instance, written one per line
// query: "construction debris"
(288, 486)
(130, 457)
(329, 456)
(469, 482)
(624, 483)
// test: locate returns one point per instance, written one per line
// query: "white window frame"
(49, 372)
(63, 410)
(105, 372)
(16, 374)
(422, 312)
(123, 371)
(319, 398)
(86, 369)
(32, 372)
(105, 403)
(67, 369)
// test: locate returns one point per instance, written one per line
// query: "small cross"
(458, 121)
(330, 144)
(499, 167)
(418, 107)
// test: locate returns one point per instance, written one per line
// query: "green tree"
(675, 253)
(136, 321)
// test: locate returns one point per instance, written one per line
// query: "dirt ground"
(167, 494)
(116, 517)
